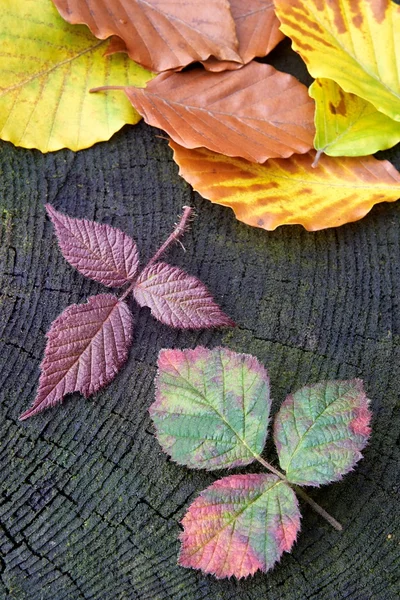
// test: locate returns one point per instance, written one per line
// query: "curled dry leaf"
(116, 45)
(47, 68)
(354, 43)
(257, 29)
(101, 252)
(240, 524)
(320, 431)
(290, 191)
(161, 34)
(212, 407)
(256, 112)
(347, 125)
(86, 347)
(178, 299)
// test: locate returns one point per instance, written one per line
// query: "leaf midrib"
(298, 181)
(112, 272)
(46, 72)
(215, 113)
(118, 305)
(237, 515)
(305, 434)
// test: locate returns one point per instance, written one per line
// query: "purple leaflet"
(87, 346)
(178, 299)
(101, 252)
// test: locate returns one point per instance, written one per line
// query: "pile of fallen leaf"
(243, 134)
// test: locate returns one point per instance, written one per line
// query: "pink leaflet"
(87, 346)
(101, 252)
(178, 299)
(240, 524)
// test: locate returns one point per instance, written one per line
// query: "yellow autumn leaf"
(289, 190)
(347, 125)
(47, 68)
(355, 43)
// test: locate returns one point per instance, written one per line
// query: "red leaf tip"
(360, 425)
(362, 419)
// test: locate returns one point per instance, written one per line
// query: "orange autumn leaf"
(256, 112)
(290, 191)
(257, 29)
(162, 34)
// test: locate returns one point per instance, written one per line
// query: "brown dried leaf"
(257, 29)
(161, 34)
(256, 112)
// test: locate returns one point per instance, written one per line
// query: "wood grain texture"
(89, 505)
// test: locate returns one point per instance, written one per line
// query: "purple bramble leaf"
(240, 524)
(87, 346)
(101, 252)
(320, 431)
(212, 407)
(178, 299)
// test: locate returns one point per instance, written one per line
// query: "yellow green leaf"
(347, 125)
(289, 190)
(47, 68)
(354, 43)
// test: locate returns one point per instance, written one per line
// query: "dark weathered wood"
(89, 504)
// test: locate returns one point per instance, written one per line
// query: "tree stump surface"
(90, 506)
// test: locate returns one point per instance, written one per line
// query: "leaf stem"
(318, 509)
(316, 159)
(179, 230)
(105, 88)
(271, 468)
(177, 233)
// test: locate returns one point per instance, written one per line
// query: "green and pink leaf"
(320, 431)
(240, 524)
(212, 407)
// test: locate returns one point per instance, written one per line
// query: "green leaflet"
(212, 407)
(320, 431)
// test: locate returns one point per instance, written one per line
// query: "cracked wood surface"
(89, 505)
